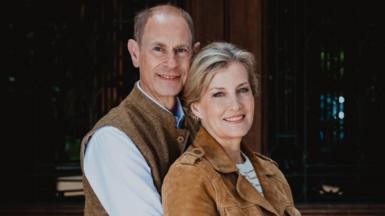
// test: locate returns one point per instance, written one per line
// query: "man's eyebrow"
(183, 45)
(186, 47)
(157, 43)
(178, 46)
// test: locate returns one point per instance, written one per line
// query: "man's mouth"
(169, 77)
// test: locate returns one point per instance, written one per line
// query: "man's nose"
(171, 60)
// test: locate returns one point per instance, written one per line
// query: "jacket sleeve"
(187, 191)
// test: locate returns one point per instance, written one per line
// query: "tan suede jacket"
(204, 181)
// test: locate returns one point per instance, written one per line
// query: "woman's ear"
(133, 48)
(195, 109)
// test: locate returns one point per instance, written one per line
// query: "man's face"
(164, 56)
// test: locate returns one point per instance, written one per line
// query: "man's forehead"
(160, 27)
(161, 18)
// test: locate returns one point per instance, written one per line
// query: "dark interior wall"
(238, 22)
(326, 98)
(41, 69)
(65, 65)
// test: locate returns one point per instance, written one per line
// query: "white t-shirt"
(247, 170)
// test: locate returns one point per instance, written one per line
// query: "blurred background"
(319, 115)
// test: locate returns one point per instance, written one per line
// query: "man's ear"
(197, 47)
(195, 109)
(133, 48)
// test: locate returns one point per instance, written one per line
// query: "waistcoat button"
(180, 139)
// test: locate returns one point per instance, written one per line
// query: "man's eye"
(158, 49)
(218, 94)
(181, 50)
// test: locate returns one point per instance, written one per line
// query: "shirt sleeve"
(119, 175)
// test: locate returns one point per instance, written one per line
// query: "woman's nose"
(235, 103)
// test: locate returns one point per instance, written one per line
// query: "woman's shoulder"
(191, 166)
(192, 156)
(265, 159)
(193, 159)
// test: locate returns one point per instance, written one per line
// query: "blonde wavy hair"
(208, 61)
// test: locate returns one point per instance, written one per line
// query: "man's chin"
(169, 91)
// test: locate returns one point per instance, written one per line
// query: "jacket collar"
(264, 168)
(218, 157)
(214, 152)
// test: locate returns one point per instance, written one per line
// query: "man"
(127, 154)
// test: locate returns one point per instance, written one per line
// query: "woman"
(218, 174)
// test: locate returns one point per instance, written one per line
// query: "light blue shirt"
(119, 174)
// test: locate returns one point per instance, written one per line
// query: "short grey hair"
(142, 17)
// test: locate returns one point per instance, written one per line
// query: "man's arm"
(119, 175)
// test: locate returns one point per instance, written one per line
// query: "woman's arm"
(187, 191)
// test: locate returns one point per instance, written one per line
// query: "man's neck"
(168, 103)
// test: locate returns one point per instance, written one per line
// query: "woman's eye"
(218, 94)
(243, 90)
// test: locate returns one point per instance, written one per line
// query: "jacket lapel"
(250, 194)
(266, 172)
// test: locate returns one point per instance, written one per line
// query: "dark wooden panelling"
(245, 25)
(208, 18)
(238, 22)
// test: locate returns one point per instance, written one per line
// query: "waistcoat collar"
(178, 113)
(143, 102)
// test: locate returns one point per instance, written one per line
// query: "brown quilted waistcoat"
(151, 128)
(204, 181)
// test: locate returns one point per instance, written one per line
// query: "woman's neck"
(233, 149)
(235, 155)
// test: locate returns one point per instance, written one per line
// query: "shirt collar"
(179, 113)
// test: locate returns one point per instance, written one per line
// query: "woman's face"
(226, 109)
